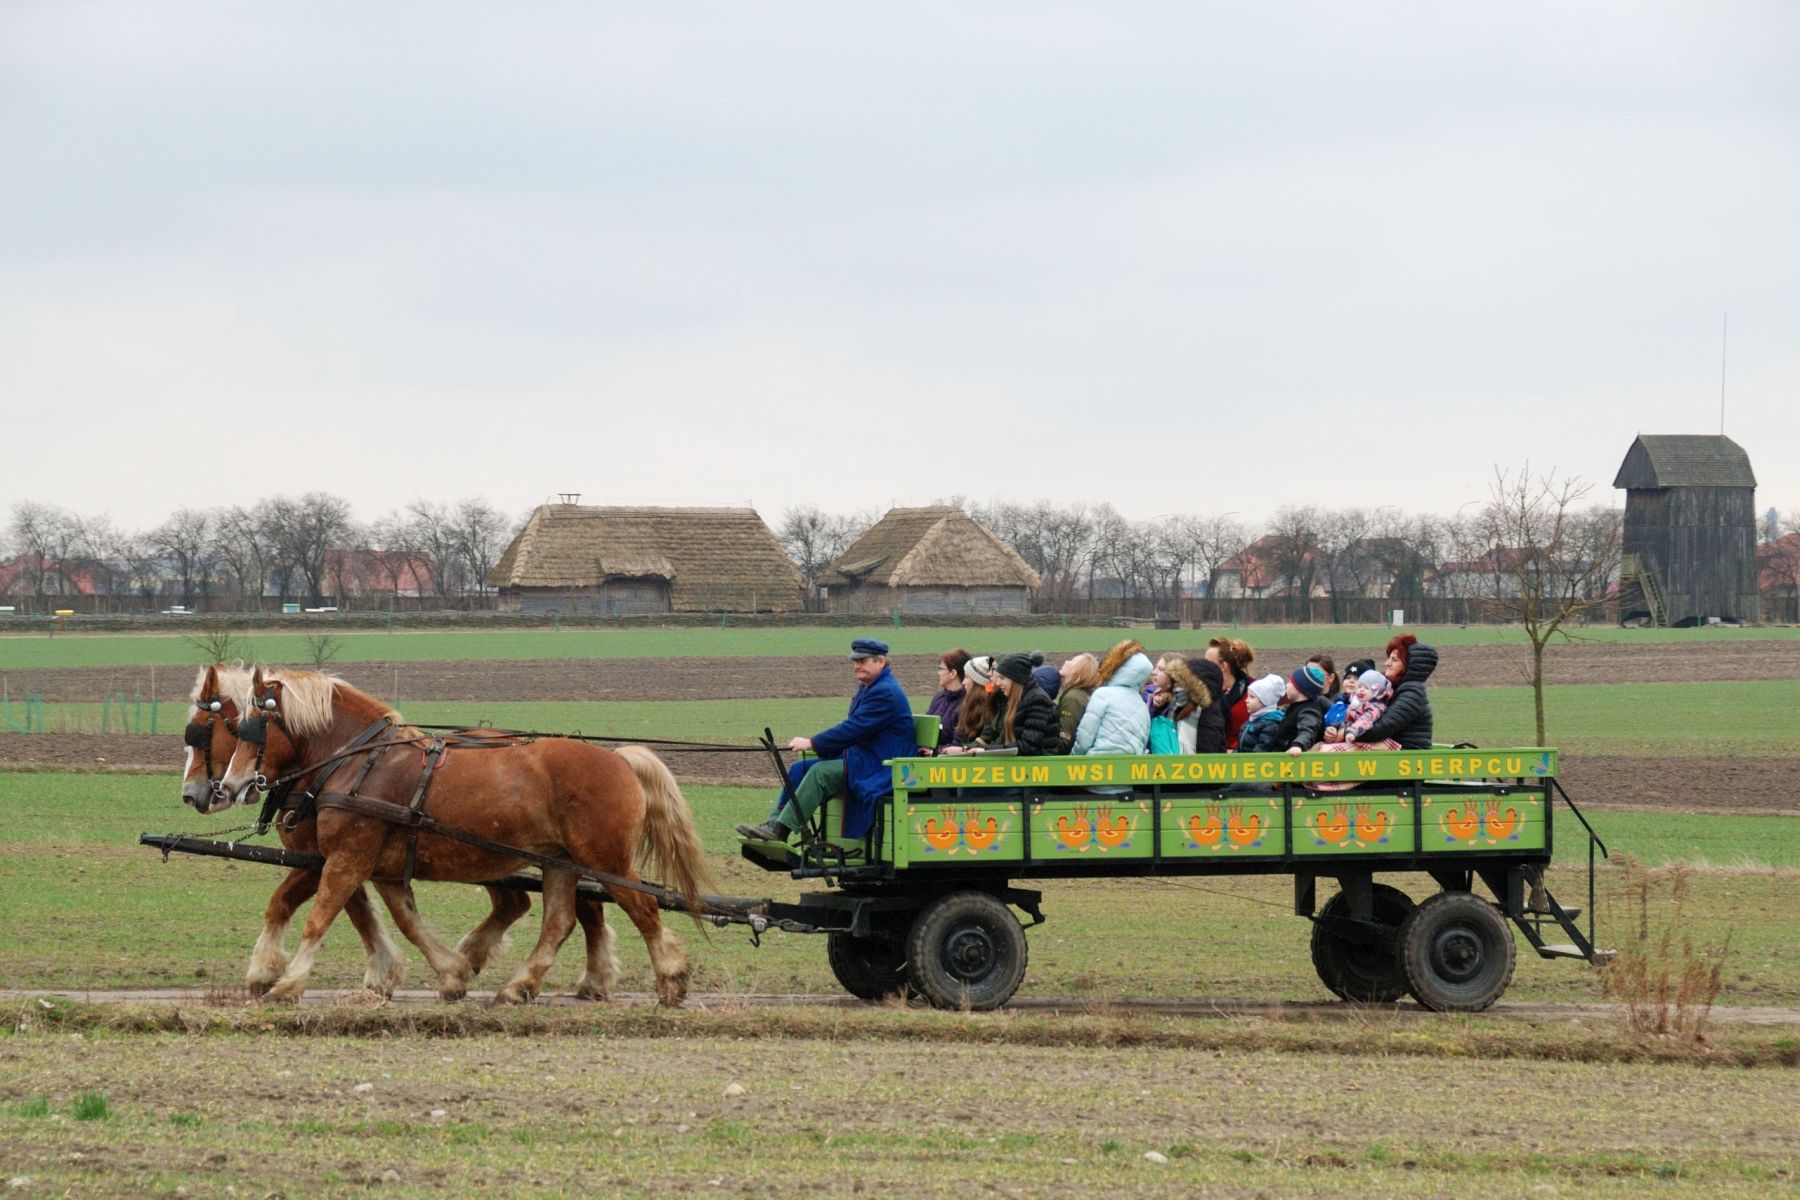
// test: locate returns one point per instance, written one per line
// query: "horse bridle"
(200, 737)
(255, 730)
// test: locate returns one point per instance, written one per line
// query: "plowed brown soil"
(751, 678)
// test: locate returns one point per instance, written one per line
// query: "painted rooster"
(1335, 828)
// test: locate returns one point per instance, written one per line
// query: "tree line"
(1531, 532)
(307, 548)
(1546, 538)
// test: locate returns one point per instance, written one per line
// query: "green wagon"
(928, 902)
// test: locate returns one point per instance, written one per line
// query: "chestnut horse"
(220, 694)
(557, 797)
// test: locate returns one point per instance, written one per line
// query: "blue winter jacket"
(879, 727)
(1116, 721)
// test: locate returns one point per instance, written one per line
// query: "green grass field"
(84, 906)
(1641, 720)
(173, 649)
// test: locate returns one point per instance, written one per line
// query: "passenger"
(978, 703)
(1116, 721)
(1030, 723)
(1336, 714)
(1047, 678)
(1369, 699)
(1211, 720)
(1234, 659)
(1407, 720)
(947, 704)
(1263, 702)
(851, 753)
(1080, 675)
(1186, 698)
(1303, 720)
(1373, 696)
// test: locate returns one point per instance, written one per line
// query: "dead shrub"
(1665, 982)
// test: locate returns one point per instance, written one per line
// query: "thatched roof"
(1666, 460)
(713, 559)
(940, 546)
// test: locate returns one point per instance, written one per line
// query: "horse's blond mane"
(307, 698)
(234, 685)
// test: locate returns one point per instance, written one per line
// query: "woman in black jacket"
(1031, 724)
(1209, 734)
(1407, 720)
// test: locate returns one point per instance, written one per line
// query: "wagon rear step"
(1535, 924)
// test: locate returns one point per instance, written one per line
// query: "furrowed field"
(1680, 740)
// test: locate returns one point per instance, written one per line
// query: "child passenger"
(1263, 701)
(1370, 696)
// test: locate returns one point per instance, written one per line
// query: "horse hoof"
(258, 987)
(450, 995)
(592, 991)
(283, 994)
(671, 992)
(512, 993)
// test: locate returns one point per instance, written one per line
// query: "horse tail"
(671, 850)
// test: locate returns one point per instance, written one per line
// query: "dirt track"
(750, 678)
(1199, 1006)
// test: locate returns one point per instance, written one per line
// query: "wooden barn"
(621, 561)
(928, 560)
(1689, 550)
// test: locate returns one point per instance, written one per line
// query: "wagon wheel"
(1457, 952)
(869, 968)
(966, 950)
(1358, 962)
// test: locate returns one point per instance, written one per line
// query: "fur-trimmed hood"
(1184, 679)
(1118, 656)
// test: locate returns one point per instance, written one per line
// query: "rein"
(666, 743)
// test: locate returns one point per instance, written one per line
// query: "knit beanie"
(1016, 667)
(1309, 680)
(1048, 679)
(1375, 685)
(979, 670)
(1269, 690)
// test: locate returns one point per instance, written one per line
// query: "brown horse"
(220, 694)
(557, 797)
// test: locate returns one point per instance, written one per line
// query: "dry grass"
(1666, 983)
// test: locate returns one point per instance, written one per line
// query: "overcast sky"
(1179, 257)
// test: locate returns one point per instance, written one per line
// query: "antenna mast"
(1724, 343)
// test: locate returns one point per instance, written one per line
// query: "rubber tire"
(1352, 970)
(1458, 953)
(869, 968)
(966, 950)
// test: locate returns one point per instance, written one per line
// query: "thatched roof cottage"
(573, 558)
(928, 560)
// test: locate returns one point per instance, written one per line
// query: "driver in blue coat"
(850, 753)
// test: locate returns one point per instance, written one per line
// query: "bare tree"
(307, 528)
(1293, 551)
(242, 543)
(479, 530)
(805, 534)
(186, 541)
(432, 532)
(1559, 559)
(814, 539)
(47, 538)
(1054, 541)
(1347, 566)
